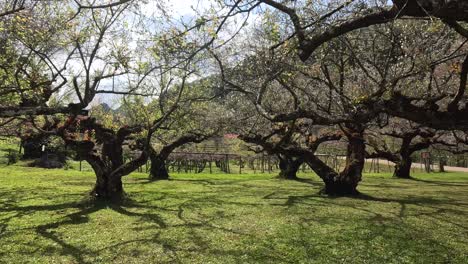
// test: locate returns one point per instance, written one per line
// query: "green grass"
(222, 218)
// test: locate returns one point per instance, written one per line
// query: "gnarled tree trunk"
(346, 182)
(108, 166)
(442, 163)
(108, 187)
(158, 170)
(329, 176)
(289, 167)
(402, 157)
(403, 168)
(32, 147)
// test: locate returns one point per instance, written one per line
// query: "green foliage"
(271, 26)
(106, 116)
(12, 156)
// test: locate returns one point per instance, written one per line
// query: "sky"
(180, 10)
(184, 7)
(179, 7)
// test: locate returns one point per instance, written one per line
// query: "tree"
(84, 134)
(196, 120)
(289, 166)
(308, 26)
(29, 77)
(312, 31)
(293, 143)
(95, 50)
(411, 138)
(276, 84)
(339, 88)
(109, 167)
(336, 21)
(182, 113)
(40, 43)
(269, 139)
(158, 170)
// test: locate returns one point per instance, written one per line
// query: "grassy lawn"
(220, 218)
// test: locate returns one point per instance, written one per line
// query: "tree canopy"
(284, 75)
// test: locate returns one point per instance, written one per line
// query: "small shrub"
(68, 165)
(12, 156)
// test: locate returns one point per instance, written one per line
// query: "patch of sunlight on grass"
(220, 218)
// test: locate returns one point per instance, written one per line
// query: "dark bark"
(336, 184)
(442, 163)
(289, 167)
(403, 168)
(402, 157)
(12, 111)
(451, 10)
(346, 182)
(32, 147)
(310, 43)
(108, 188)
(429, 114)
(447, 9)
(402, 163)
(158, 170)
(109, 166)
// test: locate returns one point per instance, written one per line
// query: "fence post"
(210, 164)
(263, 163)
(240, 165)
(253, 164)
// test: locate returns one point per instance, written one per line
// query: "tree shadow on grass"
(414, 222)
(307, 181)
(441, 183)
(195, 226)
(47, 230)
(81, 217)
(432, 207)
(145, 212)
(76, 218)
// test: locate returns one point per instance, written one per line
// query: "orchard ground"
(220, 218)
